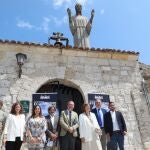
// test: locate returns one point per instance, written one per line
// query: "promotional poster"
(92, 97)
(44, 100)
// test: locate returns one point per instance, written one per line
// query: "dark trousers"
(14, 145)
(67, 142)
(117, 138)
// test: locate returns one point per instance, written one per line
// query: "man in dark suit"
(52, 129)
(69, 124)
(99, 113)
(115, 127)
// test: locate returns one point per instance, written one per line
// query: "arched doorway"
(65, 93)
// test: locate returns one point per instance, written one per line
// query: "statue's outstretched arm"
(89, 24)
(71, 23)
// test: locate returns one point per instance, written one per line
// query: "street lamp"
(20, 60)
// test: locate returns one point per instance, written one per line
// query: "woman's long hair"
(33, 111)
(84, 106)
(13, 111)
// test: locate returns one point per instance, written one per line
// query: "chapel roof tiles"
(69, 47)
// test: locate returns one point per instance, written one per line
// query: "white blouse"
(17, 120)
(14, 127)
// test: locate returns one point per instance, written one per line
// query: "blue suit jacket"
(95, 112)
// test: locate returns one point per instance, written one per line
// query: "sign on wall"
(92, 97)
(44, 100)
(25, 104)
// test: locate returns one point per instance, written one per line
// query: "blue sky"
(118, 24)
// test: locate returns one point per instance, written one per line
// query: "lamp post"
(20, 60)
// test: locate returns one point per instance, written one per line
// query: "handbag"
(34, 140)
(26, 138)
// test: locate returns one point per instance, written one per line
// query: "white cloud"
(60, 2)
(24, 24)
(102, 11)
(27, 25)
(46, 19)
(70, 3)
(82, 2)
(45, 24)
(58, 21)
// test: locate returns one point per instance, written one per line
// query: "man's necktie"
(69, 118)
(99, 118)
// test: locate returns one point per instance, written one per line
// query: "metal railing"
(146, 94)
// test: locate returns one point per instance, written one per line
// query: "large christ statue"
(80, 27)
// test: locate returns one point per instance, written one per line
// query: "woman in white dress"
(89, 129)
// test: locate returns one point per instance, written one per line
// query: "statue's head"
(78, 8)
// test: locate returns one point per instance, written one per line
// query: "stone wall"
(145, 71)
(113, 73)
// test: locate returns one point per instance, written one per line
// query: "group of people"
(98, 129)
